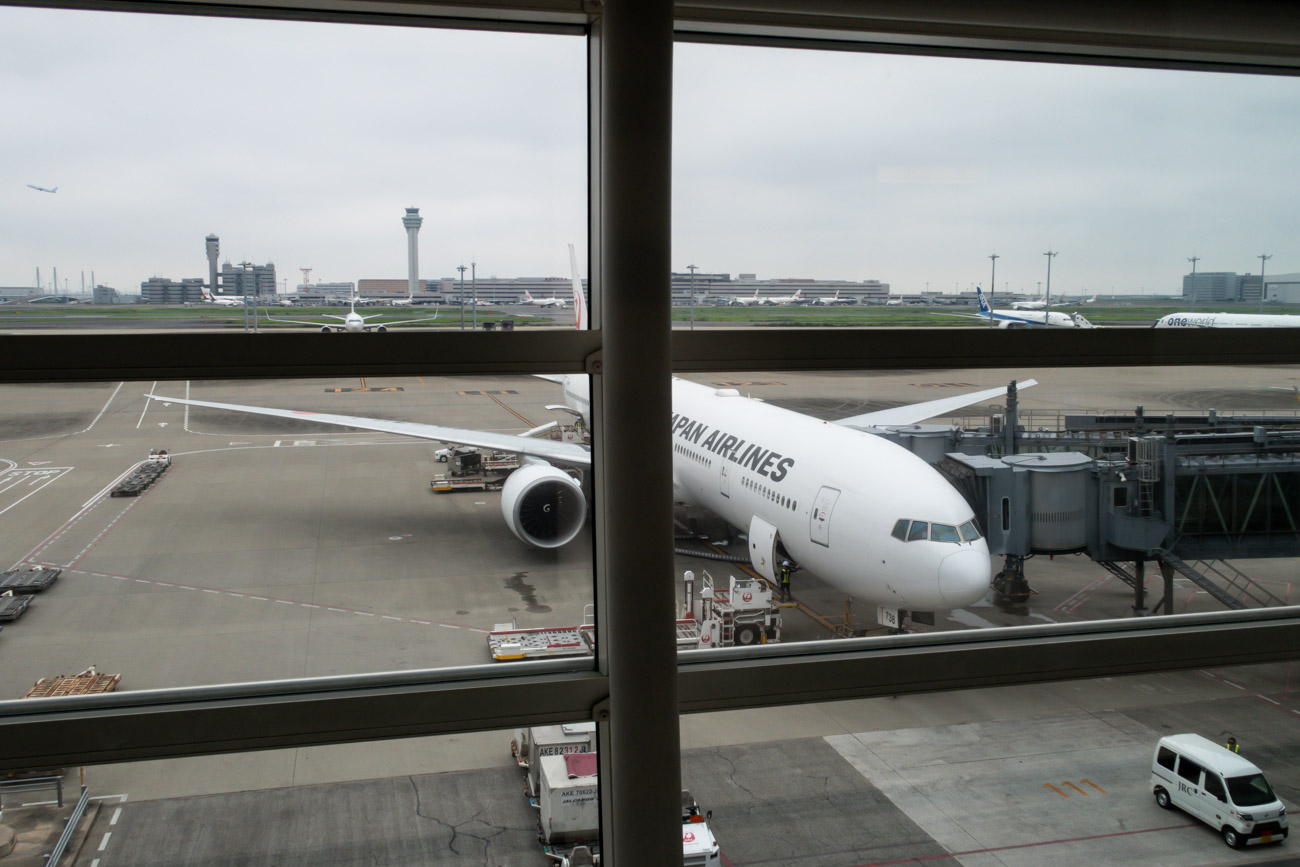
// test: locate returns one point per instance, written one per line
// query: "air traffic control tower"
(412, 222)
(213, 249)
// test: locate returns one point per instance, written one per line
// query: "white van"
(1218, 787)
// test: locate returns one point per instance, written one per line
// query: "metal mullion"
(986, 658)
(193, 721)
(944, 348)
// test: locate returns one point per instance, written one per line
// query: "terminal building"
(163, 290)
(1229, 287)
(254, 280)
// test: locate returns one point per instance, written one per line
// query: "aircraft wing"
(563, 453)
(408, 321)
(919, 412)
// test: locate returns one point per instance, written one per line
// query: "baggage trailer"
(28, 580)
(471, 469)
(12, 605)
(88, 682)
(530, 745)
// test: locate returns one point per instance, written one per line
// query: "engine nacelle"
(381, 328)
(324, 329)
(543, 505)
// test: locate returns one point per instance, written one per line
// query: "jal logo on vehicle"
(688, 837)
(747, 597)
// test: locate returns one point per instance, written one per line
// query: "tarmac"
(276, 549)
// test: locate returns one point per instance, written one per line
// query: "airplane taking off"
(44, 189)
(352, 323)
(866, 515)
(542, 302)
(1027, 319)
(1228, 320)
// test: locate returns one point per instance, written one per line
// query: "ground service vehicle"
(1219, 787)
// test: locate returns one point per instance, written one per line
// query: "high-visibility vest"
(1236, 748)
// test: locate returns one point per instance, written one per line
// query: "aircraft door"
(762, 547)
(723, 485)
(819, 526)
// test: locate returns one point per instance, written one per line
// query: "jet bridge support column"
(1167, 572)
(1140, 587)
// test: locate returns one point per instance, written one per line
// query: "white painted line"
(308, 605)
(206, 590)
(37, 803)
(142, 581)
(146, 404)
(339, 610)
(44, 482)
(1269, 700)
(363, 613)
(105, 409)
(391, 617)
(448, 626)
(1233, 685)
(232, 593)
(94, 863)
(284, 602)
(258, 598)
(103, 844)
(117, 814)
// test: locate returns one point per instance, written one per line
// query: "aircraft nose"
(964, 576)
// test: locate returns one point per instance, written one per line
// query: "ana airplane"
(867, 516)
(44, 189)
(1228, 320)
(223, 300)
(542, 302)
(353, 322)
(1027, 319)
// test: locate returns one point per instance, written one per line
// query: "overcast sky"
(302, 144)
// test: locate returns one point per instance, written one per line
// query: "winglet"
(579, 298)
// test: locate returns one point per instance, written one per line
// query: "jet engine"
(543, 505)
(324, 329)
(381, 328)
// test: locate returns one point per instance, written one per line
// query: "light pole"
(1263, 257)
(473, 288)
(1194, 260)
(461, 269)
(692, 269)
(993, 286)
(1047, 299)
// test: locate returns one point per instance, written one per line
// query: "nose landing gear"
(1010, 584)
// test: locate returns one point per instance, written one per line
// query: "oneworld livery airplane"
(864, 514)
(1228, 320)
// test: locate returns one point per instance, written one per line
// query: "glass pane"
(889, 780)
(222, 174)
(1205, 456)
(819, 188)
(339, 531)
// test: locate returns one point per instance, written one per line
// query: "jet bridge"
(1186, 492)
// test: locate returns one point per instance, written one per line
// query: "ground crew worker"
(787, 569)
(1232, 745)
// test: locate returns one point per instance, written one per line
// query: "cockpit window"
(969, 532)
(920, 530)
(900, 529)
(944, 533)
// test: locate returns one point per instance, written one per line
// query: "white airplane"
(747, 300)
(44, 189)
(836, 299)
(542, 302)
(867, 516)
(784, 300)
(223, 300)
(352, 323)
(1228, 320)
(1028, 305)
(894, 302)
(1027, 319)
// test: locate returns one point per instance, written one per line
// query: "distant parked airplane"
(44, 189)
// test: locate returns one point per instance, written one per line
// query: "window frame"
(1262, 38)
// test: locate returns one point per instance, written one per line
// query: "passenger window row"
(764, 491)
